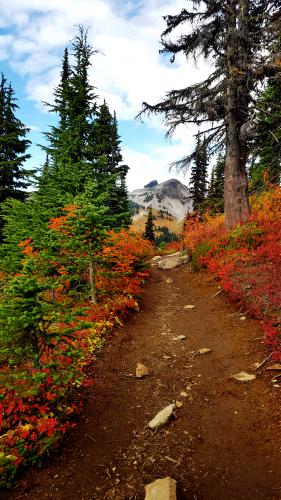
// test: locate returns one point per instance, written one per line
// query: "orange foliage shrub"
(37, 404)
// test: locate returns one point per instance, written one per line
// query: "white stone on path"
(244, 377)
(161, 489)
(162, 417)
(179, 337)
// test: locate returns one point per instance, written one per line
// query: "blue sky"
(129, 70)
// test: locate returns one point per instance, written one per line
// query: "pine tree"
(13, 146)
(75, 105)
(235, 35)
(267, 144)
(58, 139)
(149, 232)
(107, 163)
(85, 145)
(215, 197)
(198, 177)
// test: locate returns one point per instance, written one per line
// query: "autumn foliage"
(38, 400)
(247, 260)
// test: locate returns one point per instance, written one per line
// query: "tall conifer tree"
(14, 178)
(149, 232)
(215, 196)
(85, 145)
(235, 35)
(75, 105)
(198, 178)
(267, 144)
(13, 147)
(108, 166)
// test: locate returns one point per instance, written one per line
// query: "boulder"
(156, 258)
(161, 489)
(172, 261)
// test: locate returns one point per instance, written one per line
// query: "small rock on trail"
(244, 377)
(141, 371)
(161, 489)
(162, 417)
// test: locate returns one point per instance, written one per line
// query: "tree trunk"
(236, 203)
(92, 283)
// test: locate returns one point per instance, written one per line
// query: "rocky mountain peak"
(171, 197)
(151, 184)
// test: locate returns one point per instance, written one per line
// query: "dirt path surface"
(225, 440)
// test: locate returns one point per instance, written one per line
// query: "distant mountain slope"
(170, 197)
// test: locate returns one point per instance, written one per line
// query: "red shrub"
(247, 260)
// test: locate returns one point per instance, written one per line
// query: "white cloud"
(155, 162)
(127, 32)
(144, 168)
(131, 70)
(33, 128)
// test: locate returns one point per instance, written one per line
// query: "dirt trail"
(225, 441)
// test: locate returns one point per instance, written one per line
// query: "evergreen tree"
(109, 163)
(267, 144)
(58, 139)
(215, 197)
(13, 146)
(235, 35)
(149, 232)
(85, 145)
(75, 105)
(166, 236)
(198, 178)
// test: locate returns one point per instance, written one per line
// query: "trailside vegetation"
(71, 270)
(237, 36)
(246, 259)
